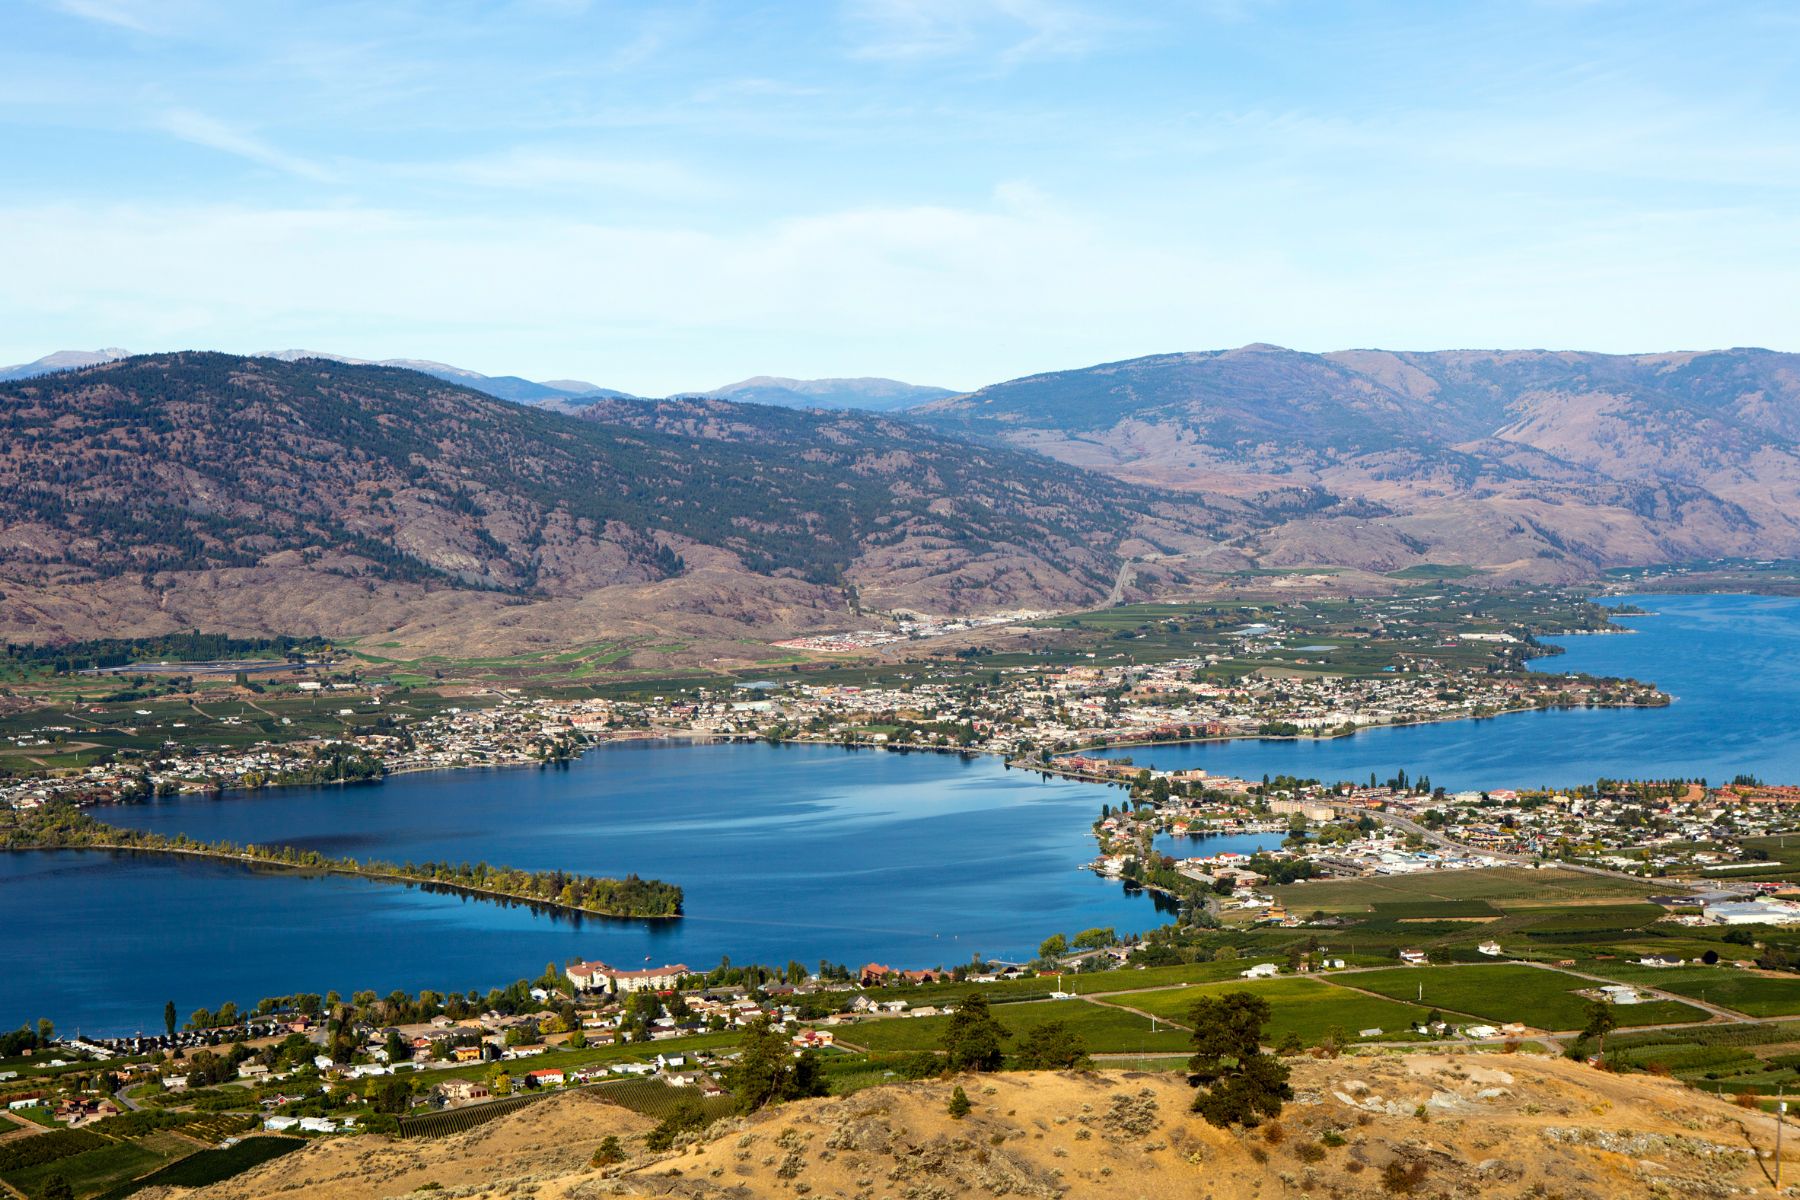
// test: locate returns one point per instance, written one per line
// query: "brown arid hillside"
(1532, 464)
(257, 496)
(1499, 1126)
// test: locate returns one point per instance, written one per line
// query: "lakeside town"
(1020, 712)
(1378, 915)
(1079, 719)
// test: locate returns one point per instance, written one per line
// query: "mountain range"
(301, 493)
(251, 493)
(1533, 464)
(871, 394)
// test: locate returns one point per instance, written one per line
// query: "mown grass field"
(1106, 1030)
(1543, 999)
(1007, 991)
(1307, 1007)
(1521, 885)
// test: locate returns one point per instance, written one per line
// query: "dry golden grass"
(1428, 1125)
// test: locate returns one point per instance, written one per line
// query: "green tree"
(1053, 945)
(1242, 1084)
(972, 1038)
(1052, 1046)
(169, 1018)
(56, 1188)
(1602, 1020)
(608, 1152)
(1094, 939)
(768, 1071)
(921, 1064)
(576, 1041)
(392, 1094)
(959, 1103)
(686, 1116)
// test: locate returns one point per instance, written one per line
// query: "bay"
(803, 852)
(784, 852)
(1731, 662)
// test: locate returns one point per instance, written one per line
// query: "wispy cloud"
(1010, 30)
(204, 130)
(119, 13)
(529, 168)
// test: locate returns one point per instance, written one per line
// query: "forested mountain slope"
(256, 495)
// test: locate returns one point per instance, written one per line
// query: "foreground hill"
(1426, 1125)
(256, 495)
(1530, 462)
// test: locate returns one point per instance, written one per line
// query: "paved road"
(1127, 572)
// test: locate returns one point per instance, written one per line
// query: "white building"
(598, 977)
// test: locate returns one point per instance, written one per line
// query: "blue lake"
(1732, 663)
(803, 852)
(1205, 845)
(785, 852)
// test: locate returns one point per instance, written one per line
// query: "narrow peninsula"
(60, 826)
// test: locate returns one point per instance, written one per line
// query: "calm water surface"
(784, 851)
(1731, 662)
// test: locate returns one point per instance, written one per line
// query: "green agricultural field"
(1749, 992)
(1106, 1030)
(91, 1171)
(210, 1166)
(1306, 1006)
(1085, 983)
(656, 1099)
(1427, 570)
(1583, 920)
(1783, 861)
(1522, 885)
(1727, 1059)
(1543, 999)
(1135, 978)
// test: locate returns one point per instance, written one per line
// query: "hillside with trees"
(256, 496)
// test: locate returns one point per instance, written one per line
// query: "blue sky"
(673, 195)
